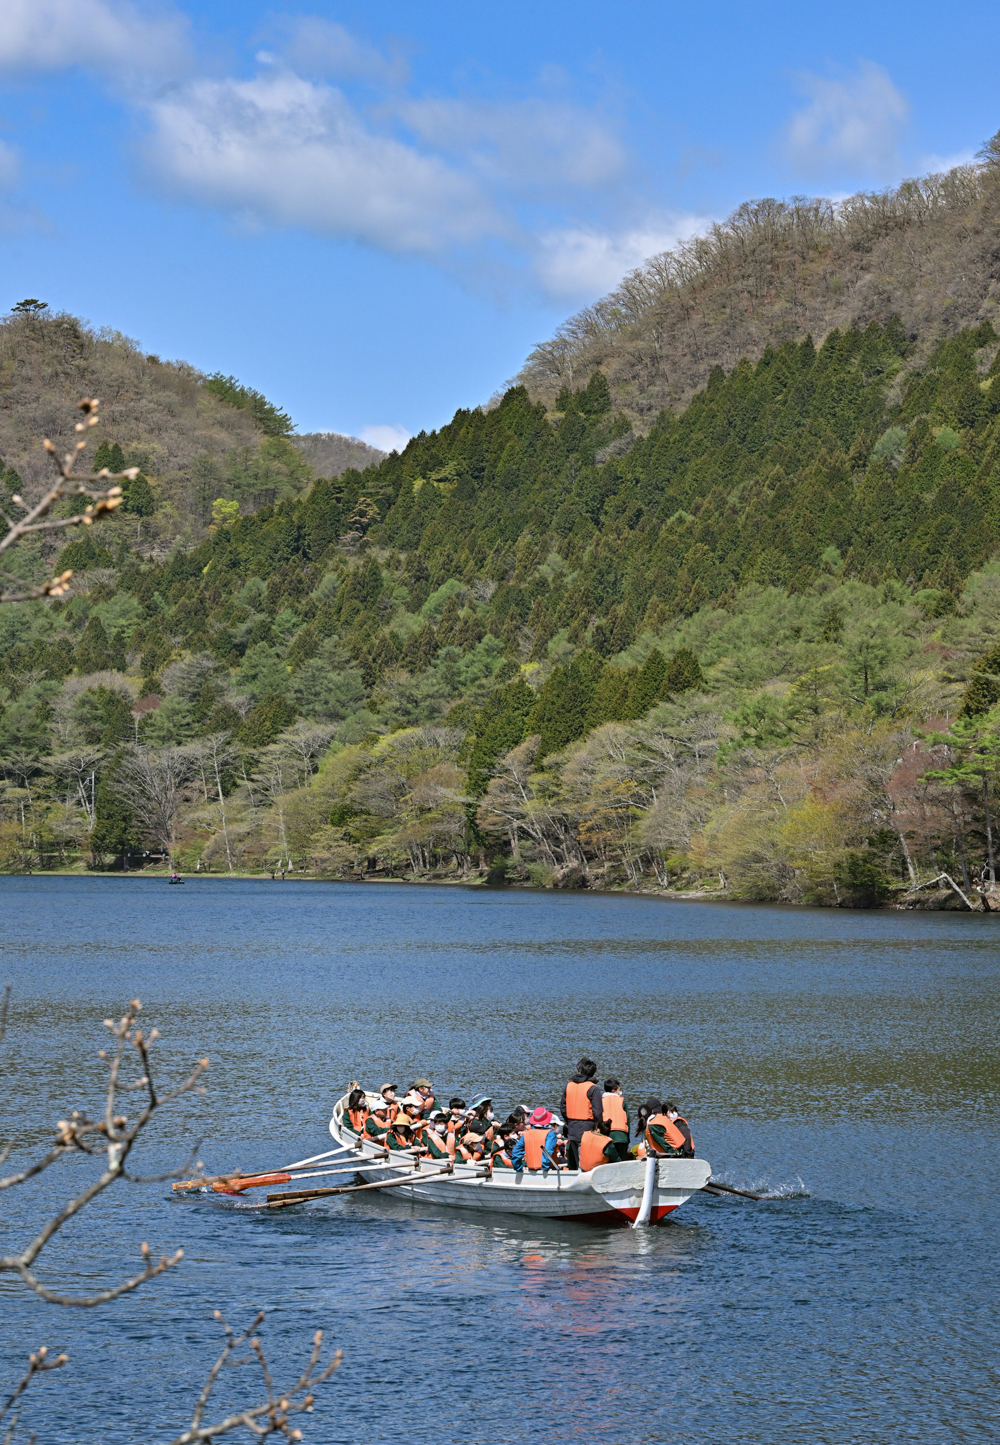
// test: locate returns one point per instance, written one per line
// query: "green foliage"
(264, 723)
(115, 832)
(500, 726)
(272, 421)
(862, 876)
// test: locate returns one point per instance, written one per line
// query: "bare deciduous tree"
(155, 786)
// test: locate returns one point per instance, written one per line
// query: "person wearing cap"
(581, 1106)
(388, 1092)
(440, 1144)
(377, 1124)
(537, 1147)
(412, 1105)
(425, 1089)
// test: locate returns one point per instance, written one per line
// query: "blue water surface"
(843, 1062)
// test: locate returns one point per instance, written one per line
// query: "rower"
(388, 1092)
(596, 1147)
(480, 1117)
(413, 1108)
(538, 1145)
(377, 1124)
(664, 1135)
(400, 1136)
(581, 1105)
(357, 1109)
(615, 1113)
(440, 1144)
(425, 1089)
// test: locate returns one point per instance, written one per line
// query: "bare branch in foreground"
(102, 502)
(273, 1415)
(38, 1364)
(114, 1137)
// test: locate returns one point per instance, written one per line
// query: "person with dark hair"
(615, 1113)
(643, 1114)
(357, 1109)
(665, 1136)
(596, 1147)
(581, 1105)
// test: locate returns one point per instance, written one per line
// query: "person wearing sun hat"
(537, 1146)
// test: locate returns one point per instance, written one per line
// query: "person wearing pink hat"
(536, 1147)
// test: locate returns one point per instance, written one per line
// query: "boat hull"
(609, 1194)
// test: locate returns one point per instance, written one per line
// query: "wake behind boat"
(609, 1194)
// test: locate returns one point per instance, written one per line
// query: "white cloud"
(525, 144)
(386, 438)
(317, 47)
(10, 166)
(282, 149)
(933, 165)
(852, 124)
(576, 263)
(108, 35)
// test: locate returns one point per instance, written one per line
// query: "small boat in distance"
(175, 878)
(609, 1194)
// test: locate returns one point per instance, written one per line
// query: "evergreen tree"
(683, 672)
(647, 684)
(96, 652)
(983, 690)
(499, 727)
(263, 723)
(114, 832)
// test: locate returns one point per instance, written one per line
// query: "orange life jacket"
(577, 1103)
(358, 1117)
(672, 1134)
(613, 1109)
(534, 1143)
(592, 1147)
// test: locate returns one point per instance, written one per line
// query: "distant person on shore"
(581, 1105)
(614, 1111)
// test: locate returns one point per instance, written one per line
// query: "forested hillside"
(754, 649)
(926, 251)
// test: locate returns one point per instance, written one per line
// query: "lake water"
(845, 1061)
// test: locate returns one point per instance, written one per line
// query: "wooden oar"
(711, 1187)
(235, 1183)
(298, 1196)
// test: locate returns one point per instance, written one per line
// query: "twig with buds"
(102, 503)
(273, 1415)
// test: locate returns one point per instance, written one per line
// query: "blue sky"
(371, 213)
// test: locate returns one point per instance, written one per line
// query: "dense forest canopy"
(745, 644)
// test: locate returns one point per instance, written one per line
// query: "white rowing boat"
(609, 1194)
